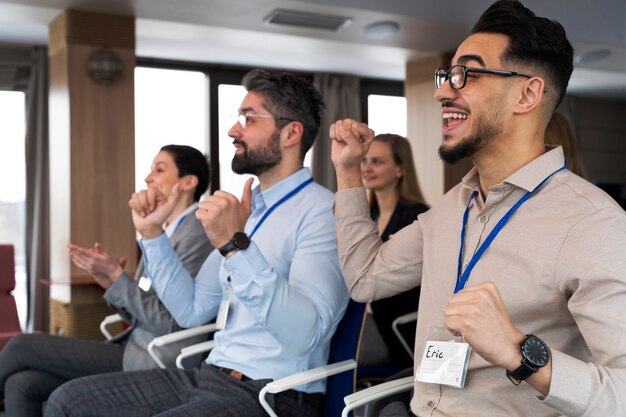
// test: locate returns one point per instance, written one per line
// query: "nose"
(148, 178)
(235, 130)
(445, 92)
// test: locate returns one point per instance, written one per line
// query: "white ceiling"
(233, 32)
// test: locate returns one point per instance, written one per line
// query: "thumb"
(246, 196)
(172, 198)
(122, 261)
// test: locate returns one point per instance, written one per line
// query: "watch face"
(241, 240)
(535, 351)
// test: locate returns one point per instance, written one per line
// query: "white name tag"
(444, 363)
(144, 283)
(222, 314)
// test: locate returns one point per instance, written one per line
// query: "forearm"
(396, 265)
(349, 178)
(585, 389)
(191, 302)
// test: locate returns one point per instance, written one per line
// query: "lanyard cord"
(461, 280)
(279, 202)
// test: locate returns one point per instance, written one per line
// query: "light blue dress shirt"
(286, 291)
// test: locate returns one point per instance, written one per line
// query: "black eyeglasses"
(457, 75)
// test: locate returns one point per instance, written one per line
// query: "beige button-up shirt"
(559, 264)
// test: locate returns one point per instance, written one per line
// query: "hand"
(350, 142)
(150, 209)
(479, 315)
(98, 262)
(222, 215)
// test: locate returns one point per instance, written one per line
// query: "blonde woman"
(395, 201)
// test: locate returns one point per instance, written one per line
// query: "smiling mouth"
(451, 120)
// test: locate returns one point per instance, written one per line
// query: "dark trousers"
(34, 365)
(206, 391)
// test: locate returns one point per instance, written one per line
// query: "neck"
(180, 207)
(501, 158)
(387, 199)
(278, 173)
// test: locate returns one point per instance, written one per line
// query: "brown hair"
(559, 132)
(408, 187)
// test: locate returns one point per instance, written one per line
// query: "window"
(384, 106)
(387, 114)
(13, 188)
(171, 107)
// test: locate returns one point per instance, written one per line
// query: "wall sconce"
(104, 66)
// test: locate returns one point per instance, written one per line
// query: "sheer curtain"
(37, 191)
(341, 94)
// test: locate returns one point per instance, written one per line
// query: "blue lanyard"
(279, 202)
(461, 280)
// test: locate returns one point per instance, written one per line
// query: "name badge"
(222, 313)
(445, 359)
(144, 283)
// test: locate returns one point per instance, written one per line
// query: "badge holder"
(222, 313)
(445, 359)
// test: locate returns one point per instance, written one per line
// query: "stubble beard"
(487, 128)
(256, 162)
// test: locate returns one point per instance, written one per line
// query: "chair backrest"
(344, 345)
(9, 320)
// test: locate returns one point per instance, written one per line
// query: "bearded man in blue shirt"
(275, 279)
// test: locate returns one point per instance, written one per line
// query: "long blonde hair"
(559, 132)
(408, 187)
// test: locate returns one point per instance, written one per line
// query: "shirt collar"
(528, 176)
(273, 194)
(171, 228)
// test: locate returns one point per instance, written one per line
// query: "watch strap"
(521, 373)
(228, 248)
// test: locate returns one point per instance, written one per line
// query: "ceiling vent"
(295, 18)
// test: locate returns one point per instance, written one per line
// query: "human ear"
(531, 96)
(293, 136)
(189, 182)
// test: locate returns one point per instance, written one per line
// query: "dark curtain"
(341, 94)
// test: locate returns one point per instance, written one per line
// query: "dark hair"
(289, 98)
(408, 187)
(190, 161)
(535, 42)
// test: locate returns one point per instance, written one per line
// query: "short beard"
(256, 162)
(488, 128)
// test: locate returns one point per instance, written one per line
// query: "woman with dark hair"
(35, 364)
(395, 198)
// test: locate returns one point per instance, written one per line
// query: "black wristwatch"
(535, 355)
(239, 241)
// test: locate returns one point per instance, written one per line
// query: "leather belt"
(234, 373)
(314, 399)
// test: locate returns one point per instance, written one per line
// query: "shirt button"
(431, 403)
(482, 219)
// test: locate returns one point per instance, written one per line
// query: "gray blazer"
(147, 316)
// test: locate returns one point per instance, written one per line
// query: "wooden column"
(92, 158)
(424, 129)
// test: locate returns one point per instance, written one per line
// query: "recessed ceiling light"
(381, 30)
(592, 56)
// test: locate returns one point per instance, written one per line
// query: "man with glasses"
(274, 283)
(521, 265)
